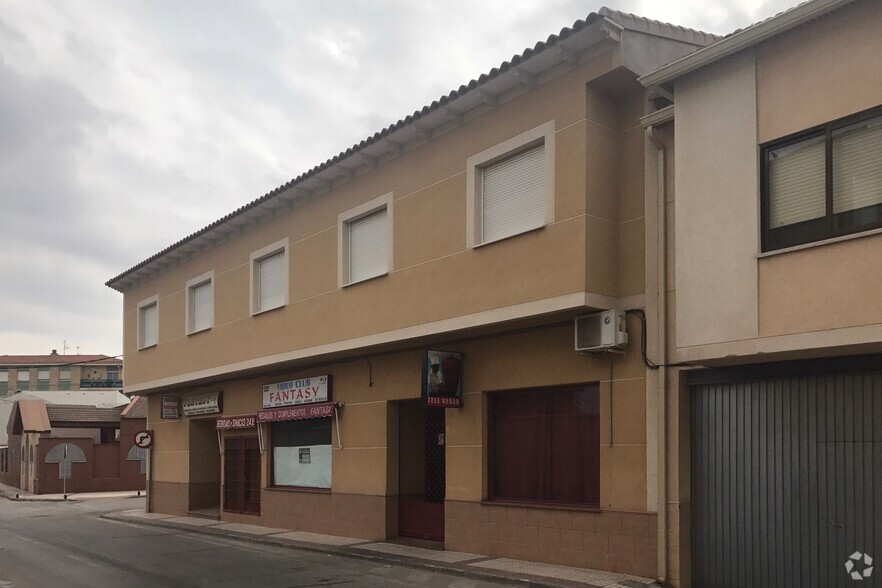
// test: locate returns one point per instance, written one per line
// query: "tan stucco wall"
(535, 358)
(717, 202)
(589, 245)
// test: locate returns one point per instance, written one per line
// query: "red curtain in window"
(546, 445)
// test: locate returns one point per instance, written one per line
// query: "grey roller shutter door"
(786, 480)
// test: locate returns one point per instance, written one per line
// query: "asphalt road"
(65, 544)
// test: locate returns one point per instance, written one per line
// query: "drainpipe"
(662, 372)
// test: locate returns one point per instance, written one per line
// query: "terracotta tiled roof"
(621, 19)
(76, 413)
(55, 359)
(136, 409)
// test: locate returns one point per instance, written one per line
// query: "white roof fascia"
(742, 40)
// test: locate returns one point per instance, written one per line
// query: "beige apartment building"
(769, 164)
(422, 288)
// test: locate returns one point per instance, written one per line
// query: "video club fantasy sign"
(294, 392)
(442, 382)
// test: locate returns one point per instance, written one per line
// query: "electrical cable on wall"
(646, 361)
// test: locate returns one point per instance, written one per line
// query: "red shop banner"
(293, 413)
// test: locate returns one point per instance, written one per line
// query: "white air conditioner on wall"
(601, 331)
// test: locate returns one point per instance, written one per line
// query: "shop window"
(302, 453)
(200, 303)
(148, 322)
(365, 241)
(545, 445)
(269, 277)
(822, 183)
(510, 187)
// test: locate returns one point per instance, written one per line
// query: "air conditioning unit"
(601, 331)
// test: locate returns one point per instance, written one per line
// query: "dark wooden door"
(422, 472)
(242, 475)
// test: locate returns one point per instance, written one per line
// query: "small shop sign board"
(295, 413)
(144, 439)
(442, 379)
(205, 403)
(294, 392)
(236, 422)
(171, 407)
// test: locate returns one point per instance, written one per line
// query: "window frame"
(19, 381)
(256, 257)
(770, 243)
(146, 303)
(543, 134)
(495, 396)
(272, 465)
(189, 314)
(345, 219)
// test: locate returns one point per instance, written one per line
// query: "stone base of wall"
(613, 541)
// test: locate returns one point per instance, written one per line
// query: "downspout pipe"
(662, 372)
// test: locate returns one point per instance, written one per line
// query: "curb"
(350, 552)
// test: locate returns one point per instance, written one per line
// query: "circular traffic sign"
(143, 439)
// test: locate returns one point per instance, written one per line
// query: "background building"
(58, 372)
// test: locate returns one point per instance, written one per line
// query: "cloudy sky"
(125, 126)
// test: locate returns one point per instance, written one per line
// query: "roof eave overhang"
(742, 40)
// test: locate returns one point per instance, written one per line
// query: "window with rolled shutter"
(368, 246)
(201, 306)
(270, 279)
(149, 325)
(513, 194)
(823, 183)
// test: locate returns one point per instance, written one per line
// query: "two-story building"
(384, 346)
(766, 171)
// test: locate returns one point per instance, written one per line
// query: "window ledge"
(541, 505)
(298, 489)
(830, 241)
(498, 239)
(199, 331)
(266, 310)
(363, 280)
(152, 345)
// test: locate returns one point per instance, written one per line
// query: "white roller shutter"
(797, 183)
(513, 195)
(368, 246)
(149, 325)
(857, 166)
(271, 281)
(202, 311)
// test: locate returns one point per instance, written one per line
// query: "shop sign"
(294, 413)
(205, 403)
(442, 382)
(171, 407)
(236, 422)
(294, 392)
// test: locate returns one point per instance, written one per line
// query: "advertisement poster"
(442, 383)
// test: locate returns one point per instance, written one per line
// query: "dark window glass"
(824, 183)
(545, 445)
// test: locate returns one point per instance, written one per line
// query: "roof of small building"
(56, 359)
(136, 409)
(81, 413)
(357, 156)
(33, 415)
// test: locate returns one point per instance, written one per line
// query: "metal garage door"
(787, 479)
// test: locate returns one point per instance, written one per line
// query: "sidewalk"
(12, 493)
(471, 565)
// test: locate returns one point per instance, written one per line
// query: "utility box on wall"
(601, 331)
